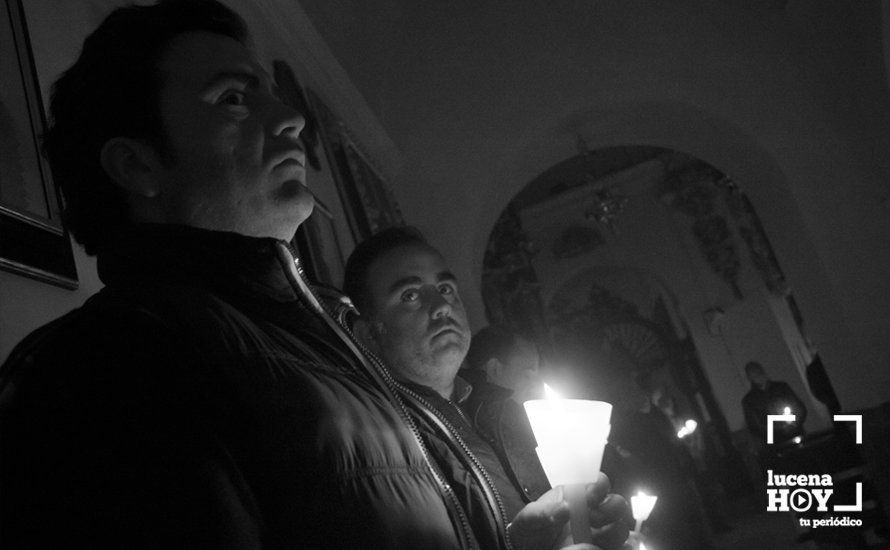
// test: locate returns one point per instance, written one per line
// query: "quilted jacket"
(206, 398)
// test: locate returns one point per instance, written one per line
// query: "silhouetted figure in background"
(770, 397)
(653, 462)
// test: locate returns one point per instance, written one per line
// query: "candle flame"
(787, 410)
(688, 427)
(549, 393)
(641, 505)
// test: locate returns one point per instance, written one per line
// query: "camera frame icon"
(773, 418)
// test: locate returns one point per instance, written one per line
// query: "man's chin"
(450, 351)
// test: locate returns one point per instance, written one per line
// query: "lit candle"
(687, 428)
(571, 435)
(642, 505)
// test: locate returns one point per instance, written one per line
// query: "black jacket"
(773, 399)
(204, 399)
(505, 425)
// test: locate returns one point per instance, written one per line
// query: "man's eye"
(410, 296)
(446, 289)
(233, 97)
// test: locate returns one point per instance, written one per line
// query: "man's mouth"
(291, 158)
(450, 327)
(290, 163)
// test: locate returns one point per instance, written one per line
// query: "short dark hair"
(355, 278)
(491, 342)
(113, 90)
(753, 366)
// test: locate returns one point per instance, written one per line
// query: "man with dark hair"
(412, 316)
(769, 397)
(204, 398)
(109, 105)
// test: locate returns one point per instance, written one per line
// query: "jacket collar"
(219, 260)
(462, 390)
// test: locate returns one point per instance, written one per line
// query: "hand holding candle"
(571, 435)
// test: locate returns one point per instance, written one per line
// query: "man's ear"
(367, 331)
(133, 165)
(493, 368)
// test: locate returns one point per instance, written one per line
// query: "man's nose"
(441, 307)
(287, 120)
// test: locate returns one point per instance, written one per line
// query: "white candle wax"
(641, 505)
(571, 435)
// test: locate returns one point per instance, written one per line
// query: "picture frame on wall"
(368, 202)
(376, 201)
(33, 241)
(319, 249)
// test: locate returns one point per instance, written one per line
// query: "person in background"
(770, 397)
(413, 318)
(654, 461)
(503, 371)
(699, 459)
(508, 360)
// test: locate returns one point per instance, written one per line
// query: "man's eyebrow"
(404, 281)
(442, 276)
(247, 78)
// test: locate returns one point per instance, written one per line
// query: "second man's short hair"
(355, 279)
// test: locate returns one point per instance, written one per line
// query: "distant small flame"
(787, 410)
(550, 394)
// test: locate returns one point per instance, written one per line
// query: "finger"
(613, 508)
(539, 524)
(598, 490)
(551, 503)
(611, 536)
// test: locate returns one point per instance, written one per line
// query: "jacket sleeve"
(107, 442)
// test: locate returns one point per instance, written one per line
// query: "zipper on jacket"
(294, 272)
(480, 472)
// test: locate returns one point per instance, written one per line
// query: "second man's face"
(418, 322)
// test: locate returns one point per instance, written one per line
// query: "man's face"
(237, 162)
(417, 319)
(757, 377)
(520, 371)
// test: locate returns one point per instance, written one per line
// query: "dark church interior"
(657, 194)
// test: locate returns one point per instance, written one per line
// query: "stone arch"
(684, 128)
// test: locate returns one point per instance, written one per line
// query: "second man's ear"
(367, 332)
(133, 165)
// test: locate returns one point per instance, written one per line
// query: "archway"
(582, 247)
